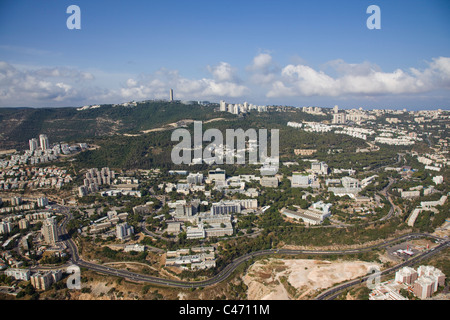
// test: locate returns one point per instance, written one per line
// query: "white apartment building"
(406, 275)
(50, 231)
(5, 227)
(124, 230)
(18, 274)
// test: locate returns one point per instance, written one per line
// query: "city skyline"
(284, 53)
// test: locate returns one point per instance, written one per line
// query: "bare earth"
(274, 279)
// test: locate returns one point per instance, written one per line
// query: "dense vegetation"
(17, 126)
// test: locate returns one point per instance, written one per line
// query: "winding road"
(230, 268)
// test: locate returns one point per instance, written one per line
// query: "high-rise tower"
(50, 231)
(44, 142)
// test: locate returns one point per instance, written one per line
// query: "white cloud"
(360, 79)
(223, 72)
(31, 87)
(263, 79)
(224, 83)
(263, 69)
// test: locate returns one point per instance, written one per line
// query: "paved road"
(230, 268)
(334, 292)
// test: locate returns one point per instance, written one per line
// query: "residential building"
(223, 106)
(18, 274)
(42, 280)
(338, 118)
(423, 287)
(44, 144)
(42, 202)
(5, 227)
(437, 275)
(16, 201)
(50, 231)
(195, 178)
(406, 275)
(23, 224)
(124, 231)
(33, 144)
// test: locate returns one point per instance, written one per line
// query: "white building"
(410, 194)
(5, 227)
(50, 231)
(351, 183)
(134, 247)
(42, 202)
(33, 144)
(338, 118)
(406, 275)
(195, 178)
(18, 274)
(217, 175)
(223, 106)
(303, 181)
(319, 167)
(225, 207)
(124, 230)
(438, 179)
(44, 144)
(270, 182)
(195, 232)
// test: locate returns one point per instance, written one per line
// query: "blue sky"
(265, 52)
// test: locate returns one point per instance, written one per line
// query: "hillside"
(18, 125)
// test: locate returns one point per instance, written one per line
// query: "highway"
(230, 268)
(334, 292)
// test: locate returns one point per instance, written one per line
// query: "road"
(231, 267)
(334, 292)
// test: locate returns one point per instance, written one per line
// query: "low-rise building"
(134, 247)
(197, 232)
(410, 194)
(42, 280)
(18, 274)
(270, 182)
(309, 219)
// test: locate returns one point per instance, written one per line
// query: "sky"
(285, 52)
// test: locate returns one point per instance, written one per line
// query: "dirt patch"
(298, 279)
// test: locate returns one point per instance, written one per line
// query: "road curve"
(230, 268)
(334, 292)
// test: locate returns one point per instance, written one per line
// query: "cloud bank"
(262, 78)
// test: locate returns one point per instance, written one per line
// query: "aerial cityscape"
(130, 171)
